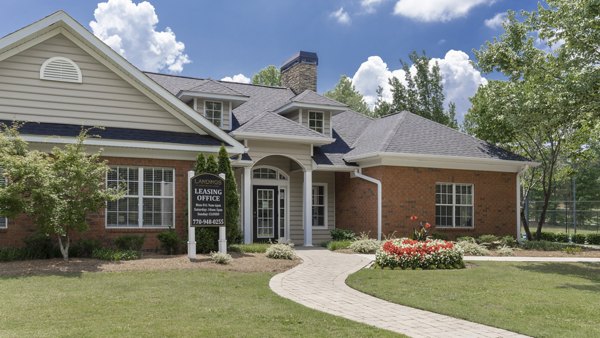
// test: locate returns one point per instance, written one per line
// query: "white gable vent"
(59, 68)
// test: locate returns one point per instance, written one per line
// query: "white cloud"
(436, 10)
(369, 6)
(459, 77)
(341, 16)
(372, 74)
(237, 78)
(496, 21)
(130, 29)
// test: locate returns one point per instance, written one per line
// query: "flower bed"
(406, 253)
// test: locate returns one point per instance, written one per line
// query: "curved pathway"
(319, 283)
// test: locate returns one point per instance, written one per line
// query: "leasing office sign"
(207, 202)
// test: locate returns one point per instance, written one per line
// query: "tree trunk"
(538, 232)
(525, 225)
(64, 249)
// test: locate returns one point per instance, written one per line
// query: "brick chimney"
(299, 73)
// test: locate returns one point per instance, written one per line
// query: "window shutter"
(60, 69)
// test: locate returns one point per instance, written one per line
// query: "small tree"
(232, 198)
(268, 76)
(57, 190)
(345, 92)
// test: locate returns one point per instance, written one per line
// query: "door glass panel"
(265, 209)
(281, 213)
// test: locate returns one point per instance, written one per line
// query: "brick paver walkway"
(319, 283)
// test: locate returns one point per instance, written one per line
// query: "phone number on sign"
(208, 222)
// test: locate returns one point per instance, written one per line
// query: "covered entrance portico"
(277, 201)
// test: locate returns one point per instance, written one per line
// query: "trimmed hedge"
(593, 239)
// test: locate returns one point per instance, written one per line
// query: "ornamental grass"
(405, 253)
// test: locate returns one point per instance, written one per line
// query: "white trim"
(437, 161)
(247, 205)
(325, 204)
(230, 126)
(205, 115)
(322, 113)
(335, 168)
(330, 124)
(454, 205)
(44, 76)
(283, 138)
(279, 183)
(118, 64)
(297, 105)
(307, 208)
(187, 93)
(140, 197)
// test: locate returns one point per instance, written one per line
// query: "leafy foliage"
(169, 241)
(365, 245)
(472, 249)
(547, 109)
(593, 239)
(107, 254)
(405, 253)
(280, 251)
(268, 76)
(542, 245)
(130, 242)
(251, 248)
(232, 198)
(338, 234)
(338, 245)
(221, 258)
(345, 92)
(421, 92)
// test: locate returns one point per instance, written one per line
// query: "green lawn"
(537, 299)
(182, 303)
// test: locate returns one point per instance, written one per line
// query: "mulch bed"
(150, 262)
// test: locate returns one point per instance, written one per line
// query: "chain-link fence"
(566, 216)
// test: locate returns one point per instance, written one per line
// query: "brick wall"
(411, 191)
(22, 227)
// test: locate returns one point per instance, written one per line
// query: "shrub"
(107, 254)
(365, 245)
(572, 250)
(130, 242)
(593, 239)
(578, 238)
(169, 241)
(220, 258)
(472, 249)
(84, 248)
(405, 253)
(439, 235)
(547, 236)
(561, 237)
(280, 251)
(12, 254)
(337, 245)
(541, 246)
(508, 241)
(505, 251)
(39, 246)
(465, 239)
(342, 235)
(207, 240)
(250, 248)
(487, 239)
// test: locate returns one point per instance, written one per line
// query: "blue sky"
(226, 38)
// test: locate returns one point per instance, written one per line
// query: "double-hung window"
(319, 205)
(213, 111)
(315, 121)
(3, 220)
(454, 205)
(148, 201)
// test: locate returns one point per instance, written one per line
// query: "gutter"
(358, 173)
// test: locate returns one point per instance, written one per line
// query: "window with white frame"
(3, 220)
(319, 205)
(148, 201)
(213, 111)
(454, 205)
(315, 121)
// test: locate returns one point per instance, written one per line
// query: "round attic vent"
(59, 68)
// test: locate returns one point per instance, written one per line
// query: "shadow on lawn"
(585, 270)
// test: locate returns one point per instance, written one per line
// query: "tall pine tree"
(232, 198)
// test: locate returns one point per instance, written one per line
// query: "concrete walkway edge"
(320, 283)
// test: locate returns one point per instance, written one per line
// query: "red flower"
(427, 225)
(413, 218)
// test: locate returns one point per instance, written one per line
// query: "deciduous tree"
(345, 92)
(268, 76)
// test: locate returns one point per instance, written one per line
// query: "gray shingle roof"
(347, 128)
(310, 97)
(269, 123)
(408, 133)
(214, 87)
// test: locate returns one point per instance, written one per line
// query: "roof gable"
(61, 23)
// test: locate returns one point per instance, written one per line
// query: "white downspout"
(519, 203)
(359, 174)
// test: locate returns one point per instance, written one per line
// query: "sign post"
(206, 207)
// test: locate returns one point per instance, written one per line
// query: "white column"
(308, 208)
(247, 206)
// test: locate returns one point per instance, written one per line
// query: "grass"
(546, 228)
(537, 299)
(338, 245)
(180, 303)
(251, 248)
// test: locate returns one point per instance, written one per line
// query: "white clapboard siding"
(102, 99)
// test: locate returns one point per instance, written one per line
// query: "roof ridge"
(218, 84)
(391, 133)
